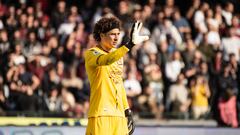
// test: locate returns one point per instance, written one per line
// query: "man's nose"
(116, 37)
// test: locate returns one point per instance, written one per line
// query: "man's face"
(110, 39)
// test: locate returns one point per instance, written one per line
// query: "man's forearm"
(112, 57)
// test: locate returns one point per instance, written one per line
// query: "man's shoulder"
(93, 50)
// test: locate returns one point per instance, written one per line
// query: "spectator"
(23, 86)
(32, 45)
(59, 15)
(133, 89)
(5, 49)
(163, 55)
(45, 30)
(153, 76)
(74, 85)
(74, 12)
(206, 49)
(154, 80)
(169, 8)
(69, 102)
(220, 19)
(38, 64)
(181, 23)
(4, 43)
(188, 53)
(231, 44)
(167, 30)
(194, 5)
(228, 13)
(213, 37)
(216, 67)
(228, 78)
(52, 100)
(67, 27)
(174, 66)
(132, 67)
(17, 57)
(227, 108)
(179, 97)
(147, 103)
(200, 94)
(236, 26)
(199, 18)
(123, 12)
(50, 78)
(4, 103)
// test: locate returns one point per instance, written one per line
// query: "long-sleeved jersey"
(104, 70)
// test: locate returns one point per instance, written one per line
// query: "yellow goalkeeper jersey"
(105, 70)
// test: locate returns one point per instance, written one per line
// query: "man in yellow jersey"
(104, 65)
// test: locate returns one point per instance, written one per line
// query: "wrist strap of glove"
(128, 112)
(129, 45)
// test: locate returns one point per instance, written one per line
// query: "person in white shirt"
(199, 18)
(231, 44)
(227, 13)
(173, 67)
(132, 85)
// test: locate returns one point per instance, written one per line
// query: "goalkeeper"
(109, 113)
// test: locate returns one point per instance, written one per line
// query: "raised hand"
(135, 37)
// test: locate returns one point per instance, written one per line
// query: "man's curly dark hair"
(104, 25)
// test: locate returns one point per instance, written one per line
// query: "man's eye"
(113, 34)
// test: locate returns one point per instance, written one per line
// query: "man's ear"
(102, 35)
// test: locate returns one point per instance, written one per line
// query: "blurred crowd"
(189, 69)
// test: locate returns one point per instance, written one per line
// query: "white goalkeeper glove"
(135, 38)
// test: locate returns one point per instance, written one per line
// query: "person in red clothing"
(228, 110)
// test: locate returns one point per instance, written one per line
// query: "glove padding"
(130, 121)
(135, 38)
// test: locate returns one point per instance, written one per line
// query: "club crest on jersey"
(95, 52)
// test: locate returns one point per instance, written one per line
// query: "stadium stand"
(188, 71)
